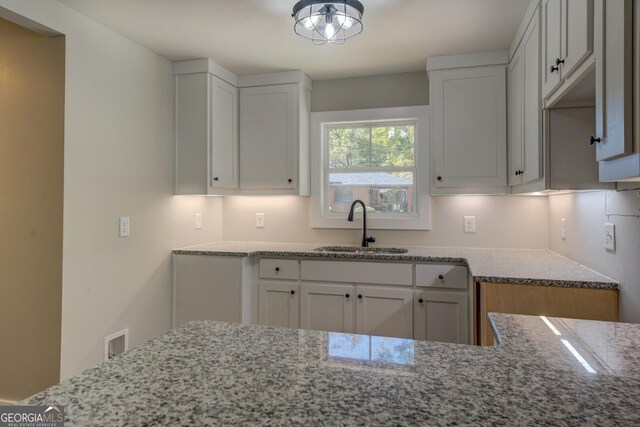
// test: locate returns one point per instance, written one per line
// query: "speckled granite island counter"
(544, 372)
(513, 266)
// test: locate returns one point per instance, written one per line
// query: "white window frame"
(420, 219)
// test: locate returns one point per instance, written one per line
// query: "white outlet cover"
(259, 220)
(469, 224)
(198, 221)
(125, 226)
(563, 229)
(609, 236)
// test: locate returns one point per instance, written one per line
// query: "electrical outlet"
(125, 226)
(198, 221)
(563, 229)
(609, 236)
(259, 220)
(469, 224)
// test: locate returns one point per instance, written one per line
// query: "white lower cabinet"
(279, 302)
(384, 312)
(326, 307)
(441, 316)
(369, 310)
(366, 298)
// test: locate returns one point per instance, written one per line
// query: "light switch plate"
(259, 220)
(469, 224)
(125, 226)
(198, 221)
(609, 236)
(563, 229)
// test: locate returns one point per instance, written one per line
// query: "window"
(374, 163)
(376, 156)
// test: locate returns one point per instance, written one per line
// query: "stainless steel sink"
(356, 249)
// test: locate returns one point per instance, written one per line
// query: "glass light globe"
(344, 21)
(310, 22)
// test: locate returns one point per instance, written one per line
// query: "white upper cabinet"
(224, 134)
(274, 134)
(614, 96)
(525, 109)
(515, 118)
(577, 34)
(531, 103)
(567, 40)
(206, 129)
(551, 44)
(468, 123)
(553, 54)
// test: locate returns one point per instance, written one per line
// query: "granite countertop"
(211, 373)
(514, 266)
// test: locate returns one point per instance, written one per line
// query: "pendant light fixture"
(328, 21)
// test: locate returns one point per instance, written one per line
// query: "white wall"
(586, 214)
(118, 161)
(501, 222)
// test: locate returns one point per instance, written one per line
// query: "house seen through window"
(371, 162)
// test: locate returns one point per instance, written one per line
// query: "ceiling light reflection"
(578, 357)
(550, 325)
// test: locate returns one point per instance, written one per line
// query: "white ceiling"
(255, 36)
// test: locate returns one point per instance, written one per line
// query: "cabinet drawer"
(279, 269)
(441, 276)
(358, 272)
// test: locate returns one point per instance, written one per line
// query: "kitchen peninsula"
(544, 371)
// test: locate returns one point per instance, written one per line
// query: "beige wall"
(31, 185)
(118, 161)
(586, 214)
(501, 221)
(392, 90)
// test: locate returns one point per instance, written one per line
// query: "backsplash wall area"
(586, 214)
(501, 222)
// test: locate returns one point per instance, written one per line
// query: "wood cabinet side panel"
(576, 303)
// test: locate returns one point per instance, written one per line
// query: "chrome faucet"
(365, 239)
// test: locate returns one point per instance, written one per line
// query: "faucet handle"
(370, 239)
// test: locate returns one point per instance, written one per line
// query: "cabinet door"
(268, 136)
(577, 34)
(384, 312)
(326, 307)
(278, 304)
(224, 134)
(442, 316)
(515, 116)
(614, 81)
(531, 102)
(469, 135)
(551, 41)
